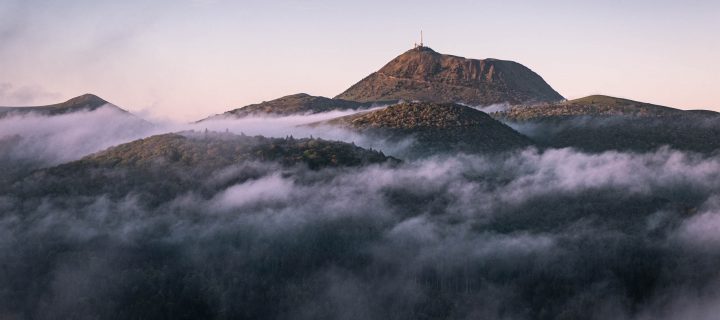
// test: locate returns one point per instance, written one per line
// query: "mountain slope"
(436, 127)
(300, 103)
(600, 123)
(425, 75)
(86, 102)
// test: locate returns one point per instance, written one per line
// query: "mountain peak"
(85, 102)
(421, 49)
(426, 75)
(604, 100)
(298, 95)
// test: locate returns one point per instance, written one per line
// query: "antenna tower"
(420, 45)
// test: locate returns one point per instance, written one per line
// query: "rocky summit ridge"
(421, 74)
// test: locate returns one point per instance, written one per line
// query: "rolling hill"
(161, 167)
(437, 128)
(600, 123)
(86, 102)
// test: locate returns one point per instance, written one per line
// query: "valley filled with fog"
(531, 233)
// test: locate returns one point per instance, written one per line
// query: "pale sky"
(186, 59)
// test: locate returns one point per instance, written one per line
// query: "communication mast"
(421, 40)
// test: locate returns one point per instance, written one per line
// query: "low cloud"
(56, 139)
(10, 95)
(496, 107)
(530, 234)
(42, 141)
(265, 190)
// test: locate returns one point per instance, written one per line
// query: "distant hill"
(86, 102)
(166, 165)
(424, 75)
(29, 144)
(599, 123)
(300, 103)
(596, 105)
(436, 127)
(214, 150)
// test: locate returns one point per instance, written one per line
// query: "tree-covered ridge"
(437, 128)
(415, 115)
(161, 167)
(212, 149)
(601, 123)
(596, 105)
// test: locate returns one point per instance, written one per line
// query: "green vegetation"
(160, 167)
(596, 105)
(416, 115)
(215, 150)
(599, 123)
(437, 128)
